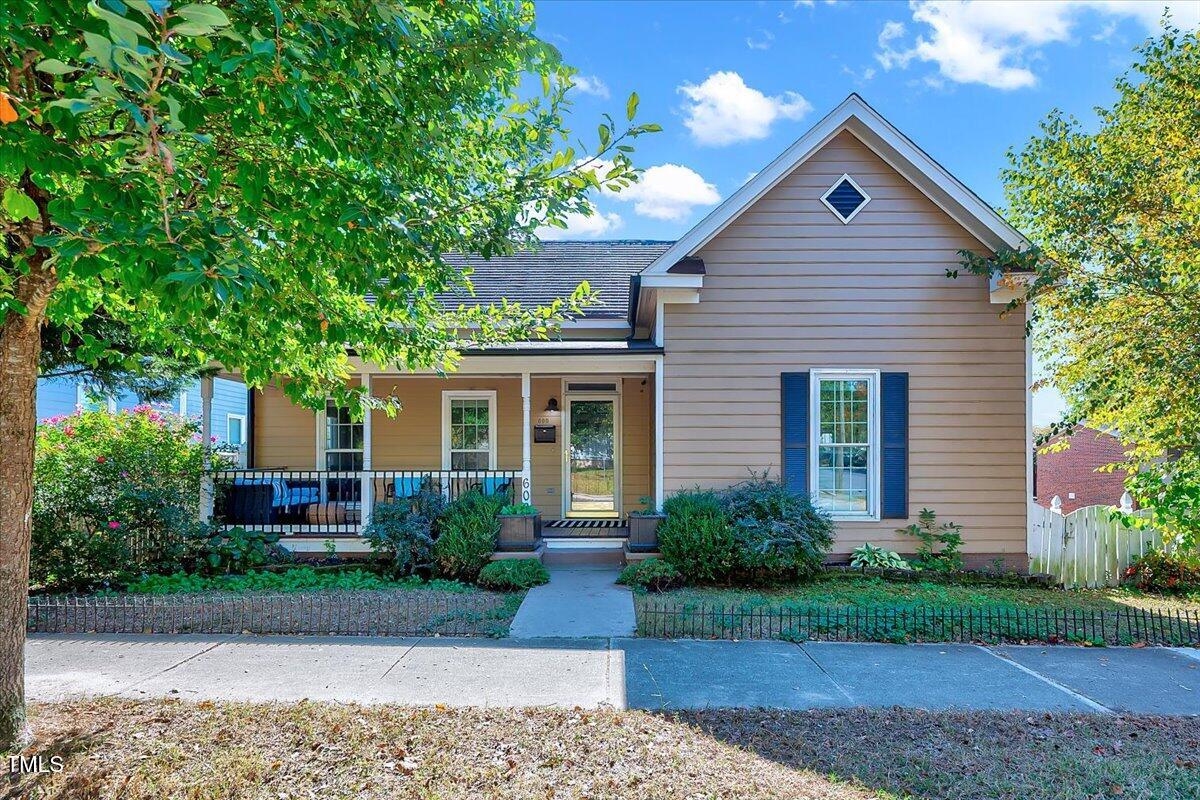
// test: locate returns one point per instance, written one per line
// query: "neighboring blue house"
(57, 396)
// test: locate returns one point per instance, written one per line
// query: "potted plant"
(643, 527)
(520, 527)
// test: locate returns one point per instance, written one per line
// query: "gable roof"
(867, 125)
(554, 269)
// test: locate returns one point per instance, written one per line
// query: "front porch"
(578, 443)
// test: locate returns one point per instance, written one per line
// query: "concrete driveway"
(619, 672)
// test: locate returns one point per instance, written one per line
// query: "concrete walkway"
(618, 672)
(576, 603)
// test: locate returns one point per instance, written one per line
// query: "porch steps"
(578, 551)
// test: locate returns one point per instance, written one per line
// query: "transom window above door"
(468, 430)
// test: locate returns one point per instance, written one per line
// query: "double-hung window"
(844, 473)
(469, 430)
(343, 438)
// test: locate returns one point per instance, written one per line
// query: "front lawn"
(134, 750)
(845, 605)
(298, 601)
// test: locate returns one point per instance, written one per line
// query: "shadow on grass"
(971, 755)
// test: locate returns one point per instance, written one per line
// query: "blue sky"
(734, 83)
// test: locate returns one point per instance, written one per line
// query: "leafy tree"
(1114, 279)
(107, 357)
(231, 181)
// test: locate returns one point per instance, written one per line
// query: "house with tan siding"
(806, 327)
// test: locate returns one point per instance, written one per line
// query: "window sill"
(855, 517)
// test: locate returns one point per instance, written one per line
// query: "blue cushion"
(493, 485)
(278, 485)
(407, 487)
(301, 495)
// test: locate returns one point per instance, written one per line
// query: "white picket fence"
(1088, 547)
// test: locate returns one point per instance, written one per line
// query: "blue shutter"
(893, 413)
(795, 430)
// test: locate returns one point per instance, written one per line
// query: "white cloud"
(590, 84)
(763, 42)
(581, 226)
(723, 109)
(992, 43)
(670, 192)
(665, 191)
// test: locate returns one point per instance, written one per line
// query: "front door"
(592, 476)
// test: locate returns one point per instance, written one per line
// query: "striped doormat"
(590, 524)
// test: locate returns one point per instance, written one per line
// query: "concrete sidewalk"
(618, 672)
(576, 603)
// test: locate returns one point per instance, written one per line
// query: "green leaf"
(55, 67)
(631, 107)
(201, 14)
(122, 29)
(19, 205)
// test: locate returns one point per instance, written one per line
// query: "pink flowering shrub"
(115, 496)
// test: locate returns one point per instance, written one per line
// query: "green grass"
(297, 579)
(847, 589)
(839, 605)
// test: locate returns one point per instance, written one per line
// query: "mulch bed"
(141, 750)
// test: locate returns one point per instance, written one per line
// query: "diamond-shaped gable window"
(845, 198)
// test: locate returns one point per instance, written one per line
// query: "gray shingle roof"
(535, 277)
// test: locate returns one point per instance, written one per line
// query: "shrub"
(511, 575)
(115, 496)
(939, 544)
(520, 510)
(868, 556)
(653, 574)
(1165, 573)
(697, 537)
(467, 535)
(779, 533)
(238, 550)
(401, 536)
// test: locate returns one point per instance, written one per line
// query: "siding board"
(788, 288)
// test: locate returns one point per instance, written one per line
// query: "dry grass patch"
(169, 749)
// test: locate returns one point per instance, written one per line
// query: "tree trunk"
(20, 345)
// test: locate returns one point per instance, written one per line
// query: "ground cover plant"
(142, 750)
(513, 574)
(846, 605)
(295, 579)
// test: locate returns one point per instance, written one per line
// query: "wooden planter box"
(643, 532)
(519, 531)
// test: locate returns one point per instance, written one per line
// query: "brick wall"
(1073, 471)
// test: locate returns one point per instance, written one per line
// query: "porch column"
(206, 485)
(526, 457)
(368, 483)
(658, 433)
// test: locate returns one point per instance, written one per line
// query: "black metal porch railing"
(332, 502)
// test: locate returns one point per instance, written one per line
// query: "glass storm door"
(591, 454)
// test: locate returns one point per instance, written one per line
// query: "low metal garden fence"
(379, 613)
(1127, 626)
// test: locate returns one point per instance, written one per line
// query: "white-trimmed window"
(343, 443)
(235, 429)
(469, 430)
(844, 414)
